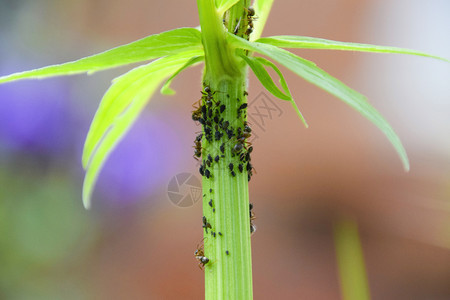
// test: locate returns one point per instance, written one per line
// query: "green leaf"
(262, 11)
(118, 110)
(310, 72)
(224, 5)
(153, 46)
(166, 90)
(257, 66)
(304, 42)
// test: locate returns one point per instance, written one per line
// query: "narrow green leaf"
(166, 89)
(153, 46)
(118, 110)
(224, 5)
(304, 42)
(262, 11)
(120, 96)
(310, 72)
(257, 66)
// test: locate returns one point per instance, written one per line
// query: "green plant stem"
(228, 274)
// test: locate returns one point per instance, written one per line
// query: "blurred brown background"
(135, 244)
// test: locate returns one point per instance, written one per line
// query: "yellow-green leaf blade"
(120, 96)
(305, 42)
(311, 73)
(151, 47)
(166, 89)
(262, 11)
(111, 123)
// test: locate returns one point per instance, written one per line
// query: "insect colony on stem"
(232, 137)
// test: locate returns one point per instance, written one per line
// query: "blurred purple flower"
(35, 116)
(142, 162)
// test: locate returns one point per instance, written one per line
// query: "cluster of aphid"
(230, 138)
(208, 112)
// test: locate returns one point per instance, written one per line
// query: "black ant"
(242, 135)
(250, 18)
(241, 144)
(200, 255)
(208, 95)
(250, 12)
(247, 129)
(198, 146)
(206, 225)
(245, 156)
(252, 217)
(197, 113)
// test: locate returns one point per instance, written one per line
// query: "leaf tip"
(167, 91)
(87, 203)
(406, 166)
(86, 197)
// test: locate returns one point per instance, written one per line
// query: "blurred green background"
(135, 244)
